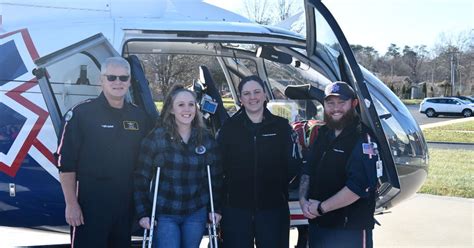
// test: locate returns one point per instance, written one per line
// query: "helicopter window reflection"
(402, 133)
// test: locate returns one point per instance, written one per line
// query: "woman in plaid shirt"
(182, 148)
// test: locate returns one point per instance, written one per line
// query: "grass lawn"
(411, 101)
(451, 173)
(459, 132)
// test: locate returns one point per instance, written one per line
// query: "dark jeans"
(320, 237)
(269, 228)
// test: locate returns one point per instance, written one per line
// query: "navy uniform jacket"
(335, 162)
(101, 143)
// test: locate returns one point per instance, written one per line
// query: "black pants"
(107, 216)
(269, 228)
(320, 237)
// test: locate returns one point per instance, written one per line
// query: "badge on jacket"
(369, 148)
(68, 116)
(130, 125)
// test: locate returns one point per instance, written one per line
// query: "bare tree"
(257, 11)
(285, 9)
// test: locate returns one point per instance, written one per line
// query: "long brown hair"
(168, 121)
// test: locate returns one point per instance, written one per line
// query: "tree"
(366, 55)
(285, 9)
(393, 55)
(414, 58)
(257, 11)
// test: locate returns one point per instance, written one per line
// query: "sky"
(378, 23)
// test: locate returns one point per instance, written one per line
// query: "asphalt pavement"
(422, 119)
(427, 221)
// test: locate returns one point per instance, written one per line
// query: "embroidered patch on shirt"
(368, 148)
(130, 125)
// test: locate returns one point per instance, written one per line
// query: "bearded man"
(338, 185)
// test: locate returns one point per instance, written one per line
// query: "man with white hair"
(96, 156)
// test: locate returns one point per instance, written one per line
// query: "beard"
(343, 122)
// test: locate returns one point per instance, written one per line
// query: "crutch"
(152, 218)
(211, 231)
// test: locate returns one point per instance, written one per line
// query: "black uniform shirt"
(101, 142)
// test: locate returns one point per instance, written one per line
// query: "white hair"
(114, 61)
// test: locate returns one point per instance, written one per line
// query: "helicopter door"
(327, 46)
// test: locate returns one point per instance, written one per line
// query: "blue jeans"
(321, 237)
(176, 231)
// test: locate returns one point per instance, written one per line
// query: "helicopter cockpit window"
(73, 80)
(164, 70)
(297, 73)
(401, 130)
(241, 46)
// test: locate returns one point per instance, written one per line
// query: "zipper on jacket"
(255, 198)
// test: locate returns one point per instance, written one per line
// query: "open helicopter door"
(71, 75)
(327, 47)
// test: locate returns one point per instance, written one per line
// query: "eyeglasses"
(112, 78)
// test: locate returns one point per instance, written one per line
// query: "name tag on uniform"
(269, 134)
(130, 125)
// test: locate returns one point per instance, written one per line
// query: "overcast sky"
(378, 23)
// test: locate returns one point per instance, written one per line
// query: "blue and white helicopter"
(50, 54)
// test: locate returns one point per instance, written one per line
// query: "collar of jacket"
(268, 117)
(101, 98)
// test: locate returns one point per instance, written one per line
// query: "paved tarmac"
(455, 146)
(422, 119)
(427, 221)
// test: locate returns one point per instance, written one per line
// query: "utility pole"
(453, 73)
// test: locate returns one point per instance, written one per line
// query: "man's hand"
(74, 214)
(217, 218)
(313, 207)
(305, 204)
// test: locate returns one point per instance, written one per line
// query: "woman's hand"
(144, 222)
(217, 217)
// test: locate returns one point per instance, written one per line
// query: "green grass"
(159, 106)
(458, 132)
(451, 173)
(411, 101)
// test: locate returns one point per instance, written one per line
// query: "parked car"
(434, 106)
(466, 98)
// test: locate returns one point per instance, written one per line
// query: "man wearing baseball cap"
(337, 188)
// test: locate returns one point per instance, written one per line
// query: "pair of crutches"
(212, 231)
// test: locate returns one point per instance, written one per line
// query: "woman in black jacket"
(257, 151)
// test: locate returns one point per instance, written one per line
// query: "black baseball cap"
(340, 89)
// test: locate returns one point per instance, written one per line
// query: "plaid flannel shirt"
(183, 186)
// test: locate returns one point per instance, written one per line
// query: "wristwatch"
(320, 209)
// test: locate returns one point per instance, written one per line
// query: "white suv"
(435, 106)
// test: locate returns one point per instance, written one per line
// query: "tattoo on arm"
(304, 186)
